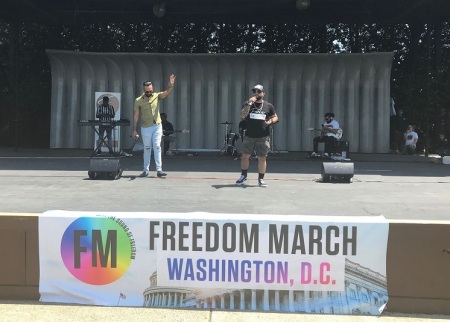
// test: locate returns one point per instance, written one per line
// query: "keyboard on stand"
(102, 123)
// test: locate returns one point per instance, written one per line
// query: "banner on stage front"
(312, 264)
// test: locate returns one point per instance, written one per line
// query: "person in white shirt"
(411, 138)
(328, 134)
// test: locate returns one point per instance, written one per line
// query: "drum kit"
(231, 142)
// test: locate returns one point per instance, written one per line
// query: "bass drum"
(232, 138)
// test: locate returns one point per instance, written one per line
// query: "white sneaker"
(262, 183)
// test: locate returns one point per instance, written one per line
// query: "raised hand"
(172, 78)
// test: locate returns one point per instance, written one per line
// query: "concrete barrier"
(19, 251)
(418, 263)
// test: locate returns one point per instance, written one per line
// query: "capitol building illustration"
(365, 293)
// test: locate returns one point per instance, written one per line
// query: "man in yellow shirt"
(146, 108)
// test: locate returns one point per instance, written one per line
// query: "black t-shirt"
(167, 128)
(242, 126)
(259, 112)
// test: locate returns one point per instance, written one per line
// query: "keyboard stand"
(102, 140)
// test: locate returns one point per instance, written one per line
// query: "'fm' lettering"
(99, 252)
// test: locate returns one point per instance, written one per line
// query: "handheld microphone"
(250, 103)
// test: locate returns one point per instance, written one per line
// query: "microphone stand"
(273, 148)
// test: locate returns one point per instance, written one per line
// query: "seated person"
(328, 135)
(411, 138)
(168, 130)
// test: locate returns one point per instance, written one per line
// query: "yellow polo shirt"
(149, 109)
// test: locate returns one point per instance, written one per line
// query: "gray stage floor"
(395, 186)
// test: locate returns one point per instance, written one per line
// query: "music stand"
(226, 145)
(273, 148)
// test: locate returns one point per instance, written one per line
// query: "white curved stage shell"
(210, 89)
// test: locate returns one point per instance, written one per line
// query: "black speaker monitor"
(105, 169)
(338, 171)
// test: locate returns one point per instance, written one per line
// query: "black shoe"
(143, 174)
(241, 179)
(161, 174)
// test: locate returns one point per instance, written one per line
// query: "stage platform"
(395, 186)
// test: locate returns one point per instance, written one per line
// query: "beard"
(258, 97)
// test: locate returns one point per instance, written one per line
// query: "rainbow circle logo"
(97, 250)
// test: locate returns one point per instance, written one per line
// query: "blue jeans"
(151, 138)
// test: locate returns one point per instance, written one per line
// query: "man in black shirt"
(105, 113)
(258, 115)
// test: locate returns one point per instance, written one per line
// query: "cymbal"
(226, 122)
